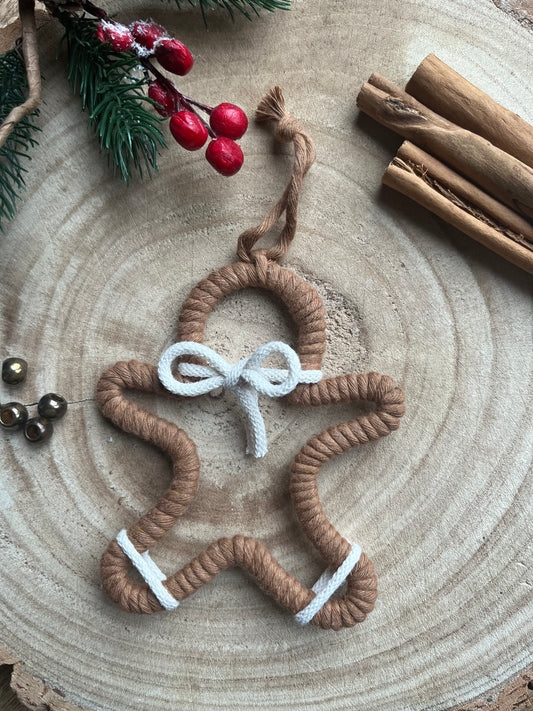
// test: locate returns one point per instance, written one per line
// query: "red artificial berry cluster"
(227, 122)
(147, 39)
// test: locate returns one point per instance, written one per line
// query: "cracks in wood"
(398, 105)
(520, 10)
(8, 698)
(516, 696)
(19, 690)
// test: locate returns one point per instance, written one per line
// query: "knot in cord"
(235, 373)
(246, 379)
(288, 126)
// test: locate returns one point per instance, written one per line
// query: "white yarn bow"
(246, 378)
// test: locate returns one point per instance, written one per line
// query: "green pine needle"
(14, 152)
(128, 131)
(242, 6)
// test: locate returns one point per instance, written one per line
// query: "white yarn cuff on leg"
(151, 573)
(327, 584)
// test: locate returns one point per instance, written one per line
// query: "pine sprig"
(14, 152)
(242, 6)
(128, 131)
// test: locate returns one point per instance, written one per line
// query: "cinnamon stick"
(439, 189)
(443, 90)
(464, 193)
(503, 176)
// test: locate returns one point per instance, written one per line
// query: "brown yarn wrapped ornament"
(255, 268)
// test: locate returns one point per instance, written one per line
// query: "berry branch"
(177, 102)
(114, 96)
(146, 40)
(104, 59)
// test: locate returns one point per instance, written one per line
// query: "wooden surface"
(92, 272)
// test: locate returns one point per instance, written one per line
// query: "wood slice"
(93, 272)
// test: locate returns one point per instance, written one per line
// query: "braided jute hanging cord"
(345, 560)
(288, 129)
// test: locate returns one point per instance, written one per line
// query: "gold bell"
(13, 415)
(38, 429)
(14, 370)
(52, 406)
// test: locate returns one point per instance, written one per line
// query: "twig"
(33, 72)
(181, 99)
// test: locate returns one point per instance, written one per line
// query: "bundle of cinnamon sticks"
(466, 158)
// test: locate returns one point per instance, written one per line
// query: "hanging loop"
(288, 128)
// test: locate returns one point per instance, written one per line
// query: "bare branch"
(33, 72)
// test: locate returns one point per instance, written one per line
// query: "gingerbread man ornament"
(189, 369)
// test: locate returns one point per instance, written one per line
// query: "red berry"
(174, 56)
(188, 130)
(164, 97)
(146, 33)
(118, 36)
(100, 33)
(225, 156)
(228, 120)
